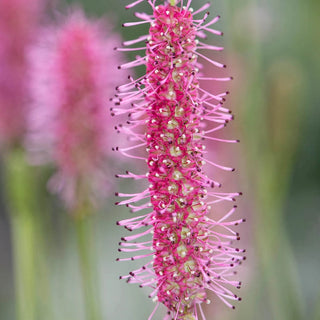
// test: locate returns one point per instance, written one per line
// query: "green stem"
(91, 293)
(268, 184)
(277, 261)
(20, 185)
(23, 239)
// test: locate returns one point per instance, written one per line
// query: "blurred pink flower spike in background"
(69, 124)
(18, 26)
(191, 253)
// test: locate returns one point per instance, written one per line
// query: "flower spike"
(19, 23)
(68, 125)
(191, 253)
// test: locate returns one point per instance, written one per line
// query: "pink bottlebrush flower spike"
(191, 253)
(69, 125)
(18, 24)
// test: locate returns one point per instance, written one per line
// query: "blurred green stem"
(270, 190)
(86, 253)
(277, 261)
(272, 163)
(20, 186)
(24, 242)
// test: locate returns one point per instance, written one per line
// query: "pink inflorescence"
(18, 25)
(191, 252)
(73, 79)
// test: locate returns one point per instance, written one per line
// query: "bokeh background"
(272, 51)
